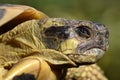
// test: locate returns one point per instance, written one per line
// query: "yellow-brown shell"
(12, 15)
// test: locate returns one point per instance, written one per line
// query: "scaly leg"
(31, 65)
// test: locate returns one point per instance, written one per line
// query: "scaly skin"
(85, 72)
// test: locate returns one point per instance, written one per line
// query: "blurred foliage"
(103, 11)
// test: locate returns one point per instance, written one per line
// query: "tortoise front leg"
(34, 66)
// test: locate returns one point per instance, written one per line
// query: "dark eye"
(83, 31)
(60, 32)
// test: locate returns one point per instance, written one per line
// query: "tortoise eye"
(59, 32)
(83, 31)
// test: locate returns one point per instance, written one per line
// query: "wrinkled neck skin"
(26, 40)
(21, 41)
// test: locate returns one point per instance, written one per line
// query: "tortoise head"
(81, 41)
(73, 41)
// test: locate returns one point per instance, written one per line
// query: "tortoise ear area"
(54, 57)
(60, 32)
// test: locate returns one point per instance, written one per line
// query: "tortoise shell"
(12, 15)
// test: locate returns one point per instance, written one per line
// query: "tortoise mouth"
(87, 57)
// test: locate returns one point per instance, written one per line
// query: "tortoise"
(31, 43)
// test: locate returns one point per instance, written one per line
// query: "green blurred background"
(103, 11)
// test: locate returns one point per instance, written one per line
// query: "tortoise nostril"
(107, 34)
(100, 41)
